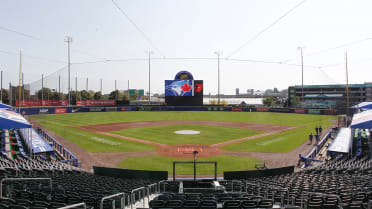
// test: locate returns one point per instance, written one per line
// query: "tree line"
(49, 94)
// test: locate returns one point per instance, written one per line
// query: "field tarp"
(343, 141)
(12, 120)
(362, 120)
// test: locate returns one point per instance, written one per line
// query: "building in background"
(329, 96)
(237, 91)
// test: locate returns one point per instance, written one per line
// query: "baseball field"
(147, 140)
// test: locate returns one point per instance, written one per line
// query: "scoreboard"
(184, 90)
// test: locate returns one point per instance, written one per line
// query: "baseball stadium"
(111, 127)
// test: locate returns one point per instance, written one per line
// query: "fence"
(65, 153)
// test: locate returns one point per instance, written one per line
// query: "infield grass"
(161, 163)
(208, 134)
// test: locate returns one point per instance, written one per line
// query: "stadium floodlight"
(218, 53)
(68, 39)
(302, 72)
(150, 52)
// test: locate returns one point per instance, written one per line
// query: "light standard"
(218, 53)
(150, 53)
(302, 73)
(68, 39)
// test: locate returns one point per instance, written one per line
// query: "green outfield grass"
(93, 142)
(60, 124)
(208, 134)
(281, 142)
(161, 163)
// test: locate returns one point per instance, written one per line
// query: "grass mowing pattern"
(59, 123)
(93, 142)
(281, 142)
(208, 134)
(161, 163)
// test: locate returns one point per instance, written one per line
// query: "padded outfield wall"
(76, 109)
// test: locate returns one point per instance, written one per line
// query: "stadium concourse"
(337, 173)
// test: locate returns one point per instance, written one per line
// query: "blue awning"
(363, 106)
(362, 120)
(5, 106)
(12, 120)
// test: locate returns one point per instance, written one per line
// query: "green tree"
(5, 94)
(114, 95)
(44, 94)
(268, 101)
(97, 95)
(85, 95)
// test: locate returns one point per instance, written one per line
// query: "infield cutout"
(187, 132)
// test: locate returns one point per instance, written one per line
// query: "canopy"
(38, 143)
(5, 106)
(362, 120)
(342, 142)
(12, 120)
(363, 106)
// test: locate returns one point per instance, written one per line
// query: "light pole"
(218, 53)
(150, 53)
(68, 39)
(302, 73)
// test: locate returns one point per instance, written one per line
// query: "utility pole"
(128, 92)
(87, 85)
(347, 85)
(68, 39)
(302, 73)
(218, 53)
(76, 92)
(59, 87)
(101, 86)
(116, 93)
(23, 87)
(20, 82)
(150, 53)
(42, 89)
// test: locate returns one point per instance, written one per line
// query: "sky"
(258, 41)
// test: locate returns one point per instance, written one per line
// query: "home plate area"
(186, 151)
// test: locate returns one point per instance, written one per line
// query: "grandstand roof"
(362, 120)
(363, 106)
(12, 120)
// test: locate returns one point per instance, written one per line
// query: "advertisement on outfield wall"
(96, 109)
(262, 109)
(60, 110)
(312, 111)
(285, 110)
(33, 103)
(236, 109)
(43, 111)
(300, 110)
(95, 102)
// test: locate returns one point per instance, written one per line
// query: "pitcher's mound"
(187, 132)
(186, 150)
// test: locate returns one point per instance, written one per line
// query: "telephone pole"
(68, 39)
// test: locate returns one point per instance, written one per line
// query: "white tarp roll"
(343, 141)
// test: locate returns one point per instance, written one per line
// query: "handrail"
(21, 179)
(160, 182)
(122, 203)
(75, 205)
(132, 197)
(148, 188)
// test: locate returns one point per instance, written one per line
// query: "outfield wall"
(75, 109)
